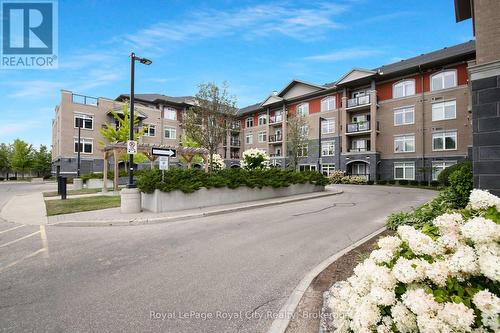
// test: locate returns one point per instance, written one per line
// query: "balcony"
(235, 156)
(86, 100)
(273, 120)
(358, 150)
(235, 126)
(358, 101)
(235, 143)
(274, 155)
(358, 127)
(275, 138)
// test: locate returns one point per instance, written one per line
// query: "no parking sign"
(131, 147)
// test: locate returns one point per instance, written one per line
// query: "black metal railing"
(235, 143)
(358, 127)
(358, 101)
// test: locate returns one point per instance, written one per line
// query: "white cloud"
(345, 54)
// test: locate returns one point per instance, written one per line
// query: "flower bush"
(217, 162)
(336, 176)
(443, 277)
(254, 159)
(353, 180)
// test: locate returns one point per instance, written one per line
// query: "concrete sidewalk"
(25, 209)
(113, 216)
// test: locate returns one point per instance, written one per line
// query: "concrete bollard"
(77, 183)
(130, 201)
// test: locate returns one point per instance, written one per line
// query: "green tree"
(296, 138)
(209, 120)
(5, 155)
(22, 156)
(42, 161)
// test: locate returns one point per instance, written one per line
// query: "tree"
(208, 121)
(22, 156)
(42, 161)
(5, 156)
(296, 137)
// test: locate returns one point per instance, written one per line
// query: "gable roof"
(355, 74)
(249, 109)
(271, 100)
(292, 83)
(159, 98)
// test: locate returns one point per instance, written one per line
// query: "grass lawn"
(56, 207)
(74, 192)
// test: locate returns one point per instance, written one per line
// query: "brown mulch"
(306, 318)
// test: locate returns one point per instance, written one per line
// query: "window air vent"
(436, 98)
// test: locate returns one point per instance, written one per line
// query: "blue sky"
(256, 46)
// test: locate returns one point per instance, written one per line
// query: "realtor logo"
(29, 34)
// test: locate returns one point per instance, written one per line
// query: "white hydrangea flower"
(489, 265)
(457, 316)
(448, 223)
(381, 256)
(366, 315)
(418, 242)
(464, 260)
(448, 242)
(438, 272)
(408, 271)
(390, 243)
(217, 162)
(430, 324)
(487, 302)
(381, 296)
(480, 199)
(419, 302)
(253, 153)
(481, 230)
(404, 319)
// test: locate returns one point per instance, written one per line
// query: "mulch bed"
(306, 318)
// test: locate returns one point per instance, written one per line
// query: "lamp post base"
(130, 201)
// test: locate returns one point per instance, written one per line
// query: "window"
(444, 80)
(303, 150)
(404, 143)
(307, 167)
(446, 140)
(404, 170)
(327, 169)
(303, 109)
(404, 116)
(304, 130)
(328, 126)
(249, 122)
(328, 103)
(86, 145)
(262, 119)
(249, 139)
(438, 166)
(85, 121)
(359, 145)
(150, 130)
(403, 89)
(170, 133)
(444, 110)
(170, 113)
(262, 136)
(327, 148)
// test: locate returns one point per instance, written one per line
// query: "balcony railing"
(275, 119)
(358, 150)
(81, 99)
(358, 127)
(358, 101)
(235, 143)
(235, 156)
(274, 155)
(275, 138)
(235, 126)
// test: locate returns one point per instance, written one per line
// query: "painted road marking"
(20, 260)
(45, 242)
(19, 239)
(19, 226)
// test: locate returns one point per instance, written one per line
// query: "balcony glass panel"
(358, 127)
(358, 101)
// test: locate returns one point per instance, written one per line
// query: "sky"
(255, 46)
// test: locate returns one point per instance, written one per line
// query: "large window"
(446, 140)
(303, 150)
(84, 121)
(327, 148)
(404, 143)
(303, 109)
(262, 136)
(444, 80)
(328, 126)
(404, 116)
(327, 169)
(404, 170)
(438, 166)
(86, 145)
(249, 139)
(249, 122)
(170, 133)
(304, 130)
(149, 130)
(403, 89)
(328, 104)
(359, 145)
(262, 119)
(170, 113)
(307, 167)
(444, 110)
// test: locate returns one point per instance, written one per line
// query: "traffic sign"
(164, 162)
(163, 152)
(131, 147)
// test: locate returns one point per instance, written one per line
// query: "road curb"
(287, 311)
(165, 219)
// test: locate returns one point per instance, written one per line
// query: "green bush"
(444, 176)
(414, 182)
(403, 182)
(190, 180)
(392, 181)
(381, 182)
(370, 182)
(424, 183)
(335, 177)
(460, 186)
(434, 183)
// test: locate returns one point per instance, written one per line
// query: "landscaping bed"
(57, 207)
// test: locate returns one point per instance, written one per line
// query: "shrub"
(254, 159)
(403, 182)
(434, 183)
(392, 181)
(414, 182)
(2, 179)
(190, 180)
(356, 180)
(424, 183)
(370, 182)
(46, 177)
(345, 180)
(442, 277)
(444, 176)
(12, 178)
(217, 162)
(381, 182)
(460, 186)
(335, 177)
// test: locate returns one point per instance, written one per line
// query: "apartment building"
(406, 120)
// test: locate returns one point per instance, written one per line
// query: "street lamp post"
(144, 61)
(319, 143)
(78, 160)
